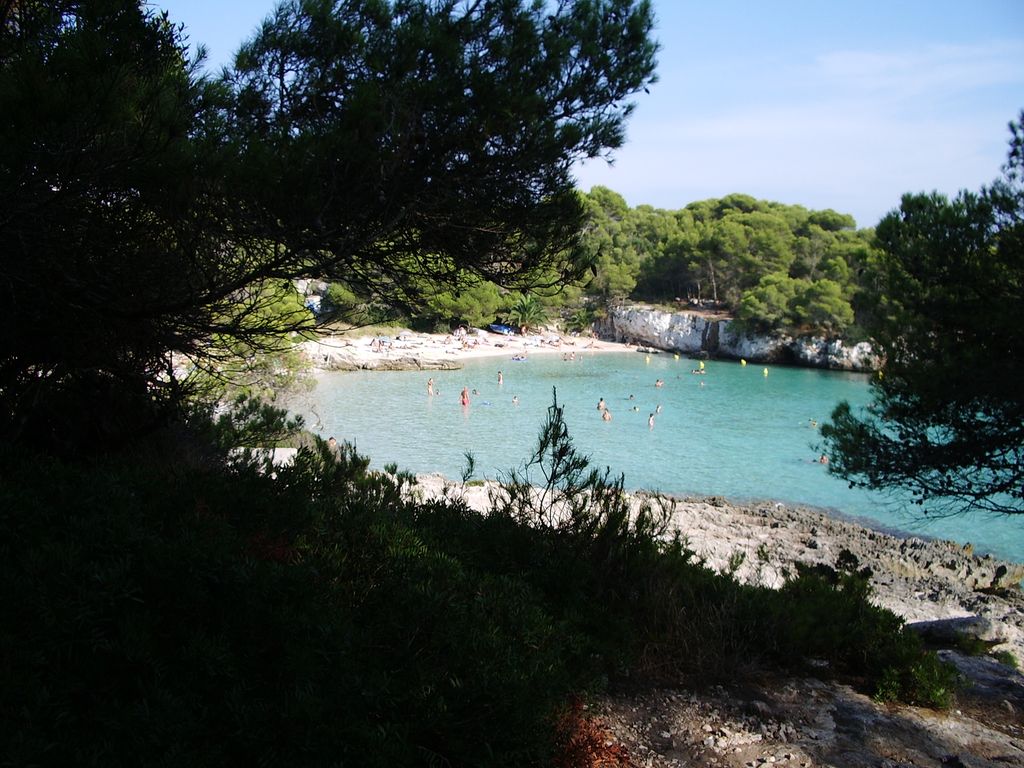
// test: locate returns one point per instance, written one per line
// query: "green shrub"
(921, 679)
(200, 617)
(162, 612)
(1007, 658)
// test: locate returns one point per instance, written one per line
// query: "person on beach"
(430, 387)
(464, 397)
(600, 404)
(606, 415)
(501, 379)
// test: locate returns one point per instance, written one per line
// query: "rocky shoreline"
(699, 334)
(626, 328)
(938, 587)
(921, 580)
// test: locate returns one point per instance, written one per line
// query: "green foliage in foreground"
(159, 612)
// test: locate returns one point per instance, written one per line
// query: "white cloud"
(853, 131)
(932, 70)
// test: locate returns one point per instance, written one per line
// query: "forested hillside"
(773, 266)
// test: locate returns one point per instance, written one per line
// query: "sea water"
(744, 432)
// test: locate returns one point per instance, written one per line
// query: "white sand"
(431, 350)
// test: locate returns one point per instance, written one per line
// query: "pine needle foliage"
(161, 610)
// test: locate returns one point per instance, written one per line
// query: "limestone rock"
(696, 334)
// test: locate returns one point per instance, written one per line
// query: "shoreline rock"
(934, 585)
(920, 580)
(698, 334)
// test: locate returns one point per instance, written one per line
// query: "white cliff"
(696, 334)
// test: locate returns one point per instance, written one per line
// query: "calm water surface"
(732, 431)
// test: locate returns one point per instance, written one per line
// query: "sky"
(842, 104)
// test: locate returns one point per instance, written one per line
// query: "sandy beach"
(407, 350)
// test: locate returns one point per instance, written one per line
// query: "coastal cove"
(731, 431)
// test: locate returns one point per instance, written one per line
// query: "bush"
(165, 612)
(200, 617)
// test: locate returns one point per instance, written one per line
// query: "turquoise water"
(731, 432)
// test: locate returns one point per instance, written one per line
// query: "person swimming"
(600, 404)
(464, 397)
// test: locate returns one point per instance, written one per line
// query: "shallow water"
(732, 431)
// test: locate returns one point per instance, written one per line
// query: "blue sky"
(842, 104)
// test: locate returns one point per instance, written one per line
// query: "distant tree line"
(774, 267)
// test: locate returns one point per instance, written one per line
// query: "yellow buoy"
(702, 365)
(742, 361)
(647, 359)
(765, 371)
(677, 355)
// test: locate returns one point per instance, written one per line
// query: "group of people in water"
(464, 395)
(465, 400)
(606, 414)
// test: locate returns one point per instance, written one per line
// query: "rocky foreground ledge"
(938, 587)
